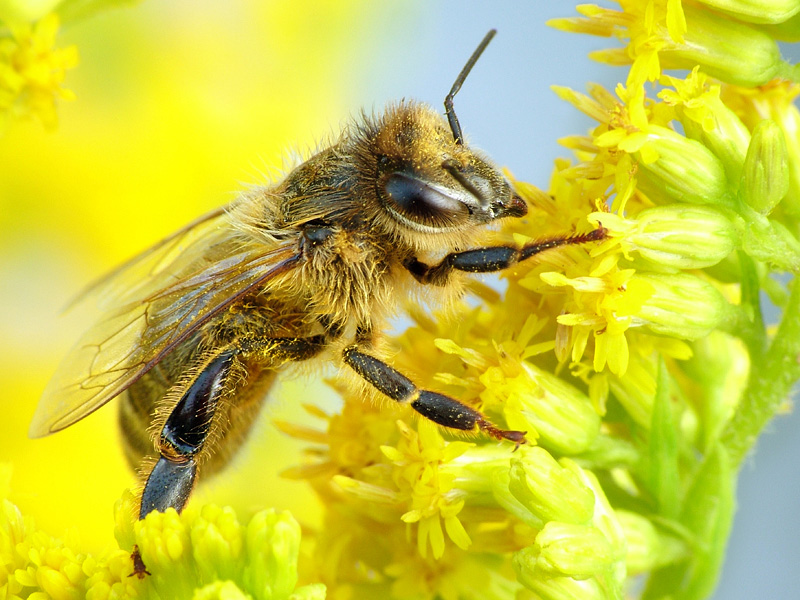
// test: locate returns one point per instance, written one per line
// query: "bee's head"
(429, 181)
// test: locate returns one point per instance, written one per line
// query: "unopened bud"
(685, 170)
(770, 242)
(682, 305)
(571, 550)
(763, 11)
(647, 549)
(680, 236)
(549, 491)
(557, 588)
(726, 49)
(562, 416)
(765, 179)
(728, 139)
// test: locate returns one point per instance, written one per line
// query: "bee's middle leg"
(188, 425)
(437, 407)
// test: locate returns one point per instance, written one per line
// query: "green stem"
(750, 328)
(772, 375)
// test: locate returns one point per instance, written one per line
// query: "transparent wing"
(161, 298)
(151, 267)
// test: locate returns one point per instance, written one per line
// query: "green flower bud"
(312, 591)
(165, 547)
(756, 11)
(726, 49)
(273, 541)
(683, 236)
(548, 490)
(728, 139)
(685, 170)
(719, 369)
(636, 391)
(556, 588)
(682, 306)
(787, 31)
(217, 542)
(765, 180)
(561, 415)
(220, 590)
(789, 120)
(769, 241)
(647, 548)
(566, 549)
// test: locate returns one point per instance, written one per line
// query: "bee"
(200, 324)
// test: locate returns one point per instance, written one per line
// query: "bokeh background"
(182, 103)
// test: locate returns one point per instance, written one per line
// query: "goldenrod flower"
(666, 34)
(639, 365)
(620, 355)
(202, 554)
(32, 71)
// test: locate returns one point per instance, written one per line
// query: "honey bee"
(201, 323)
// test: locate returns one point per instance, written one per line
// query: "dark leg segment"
(185, 432)
(491, 259)
(168, 486)
(439, 408)
(172, 479)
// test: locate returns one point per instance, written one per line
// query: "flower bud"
(719, 367)
(165, 546)
(562, 416)
(682, 306)
(570, 550)
(763, 11)
(726, 49)
(217, 542)
(769, 241)
(549, 491)
(646, 548)
(765, 179)
(218, 590)
(728, 139)
(636, 391)
(312, 591)
(681, 236)
(557, 588)
(787, 31)
(272, 540)
(685, 170)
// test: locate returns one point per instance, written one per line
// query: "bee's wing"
(126, 282)
(159, 312)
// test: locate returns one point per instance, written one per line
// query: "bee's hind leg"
(182, 437)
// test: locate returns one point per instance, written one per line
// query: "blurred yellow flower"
(32, 71)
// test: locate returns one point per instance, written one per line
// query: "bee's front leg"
(437, 407)
(491, 258)
(182, 437)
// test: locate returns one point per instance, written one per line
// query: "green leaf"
(662, 452)
(708, 512)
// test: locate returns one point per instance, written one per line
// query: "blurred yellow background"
(179, 105)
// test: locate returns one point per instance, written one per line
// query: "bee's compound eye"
(417, 200)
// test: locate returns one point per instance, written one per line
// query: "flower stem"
(772, 375)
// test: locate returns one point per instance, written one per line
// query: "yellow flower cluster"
(204, 554)
(32, 71)
(625, 361)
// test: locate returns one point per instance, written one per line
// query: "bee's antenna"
(448, 100)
